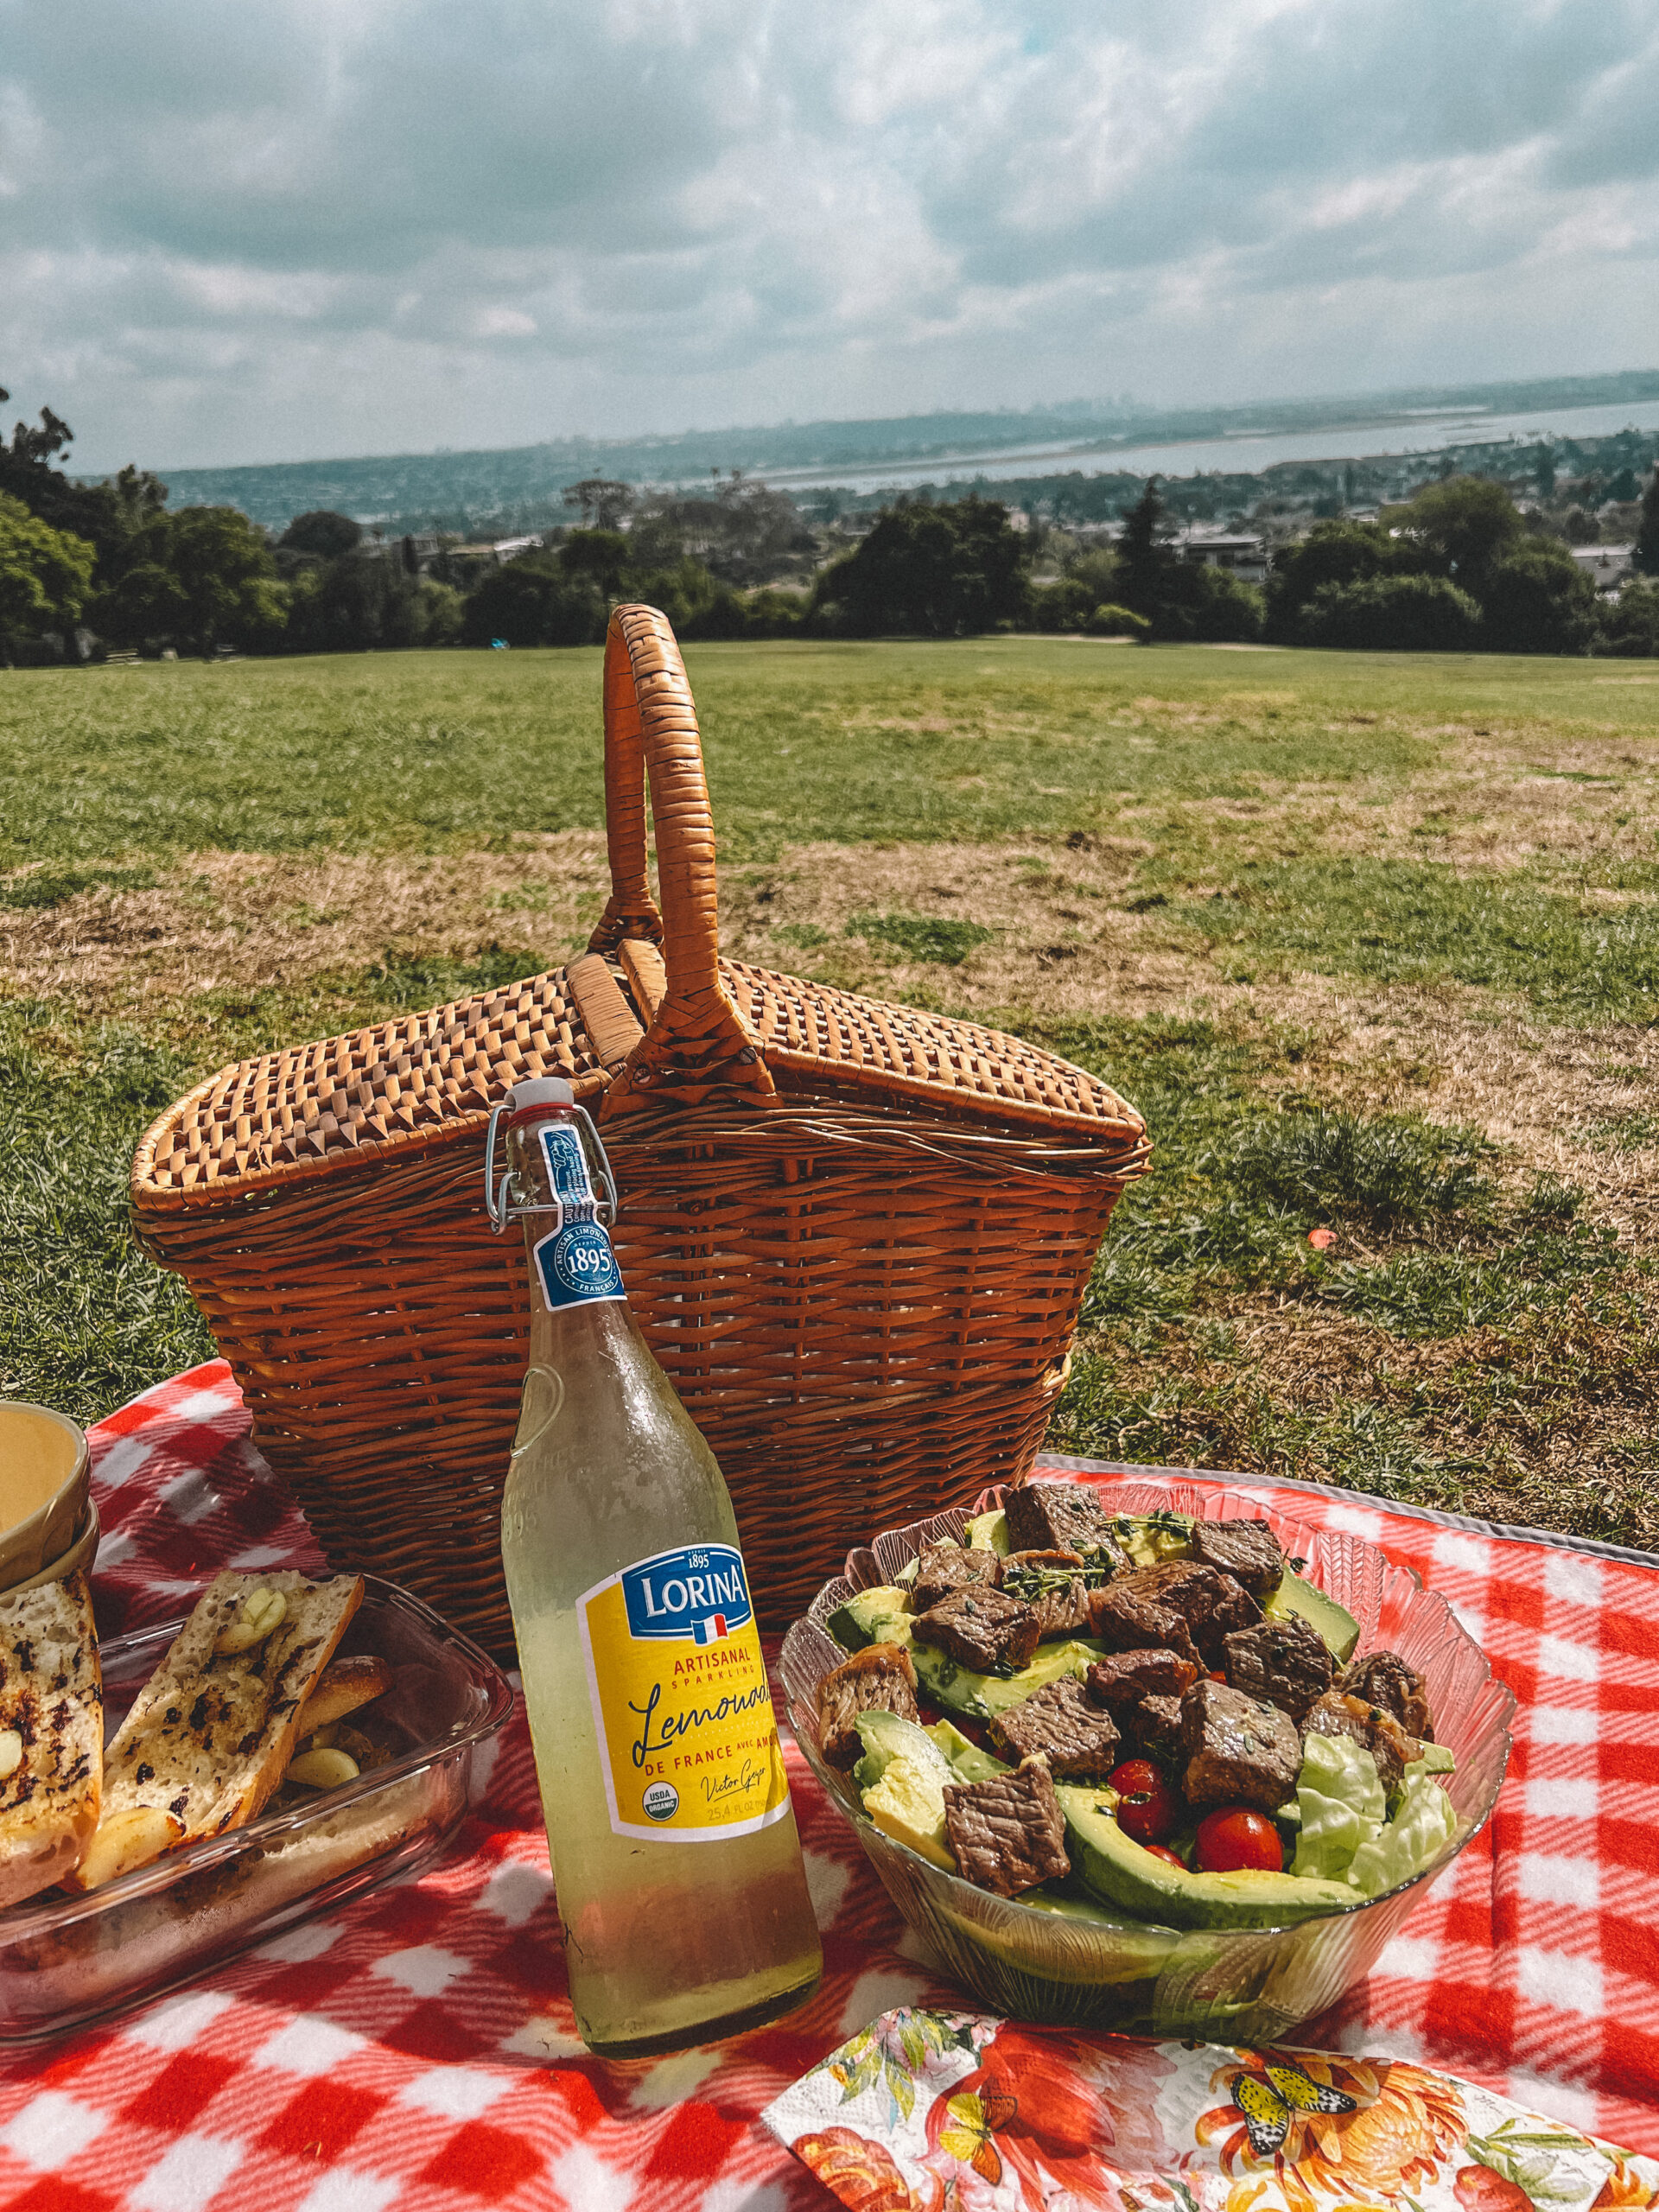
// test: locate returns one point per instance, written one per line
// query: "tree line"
(1456, 568)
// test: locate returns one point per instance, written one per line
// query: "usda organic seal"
(661, 1800)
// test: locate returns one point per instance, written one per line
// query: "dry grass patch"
(241, 924)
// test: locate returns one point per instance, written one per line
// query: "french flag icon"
(711, 1629)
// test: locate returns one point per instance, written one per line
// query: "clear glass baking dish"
(1239, 1985)
(66, 1960)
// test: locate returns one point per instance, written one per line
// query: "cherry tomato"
(1148, 1815)
(1135, 1776)
(1162, 1851)
(1236, 1837)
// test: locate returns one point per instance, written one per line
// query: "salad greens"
(1346, 1834)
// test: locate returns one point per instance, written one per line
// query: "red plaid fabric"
(416, 2050)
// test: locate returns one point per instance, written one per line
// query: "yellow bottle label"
(687, 1737)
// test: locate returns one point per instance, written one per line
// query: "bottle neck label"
(687, 1737)
(575, 1264)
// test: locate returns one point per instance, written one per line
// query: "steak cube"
(982, 1628)
(1248, 1550)
(1237, 1753)
(944, 1567)
(1060, 1517)
(878, 1678)
(1285, 1663)
(1384, 1678)
(1123, 1620)
(1142, 1690)
(1046, 1582)
(1155, 1728)
(1369, 1726)
(1059, 1725)
(1124, 1677)
(1213, 1605)
(1146, 1673)
(1009, 1834)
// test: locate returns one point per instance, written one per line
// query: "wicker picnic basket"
(856, 1235)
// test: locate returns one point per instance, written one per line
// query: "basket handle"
(697, 1039)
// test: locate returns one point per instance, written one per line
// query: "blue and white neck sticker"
(576, 1265)
(567, 1166)
(696, 1595)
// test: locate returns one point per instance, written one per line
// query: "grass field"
(1374, 942)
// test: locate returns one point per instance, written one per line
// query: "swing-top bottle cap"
(539, 1090)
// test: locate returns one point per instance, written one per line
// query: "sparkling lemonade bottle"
(675, 1856)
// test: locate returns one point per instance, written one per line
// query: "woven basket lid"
(628, 1023)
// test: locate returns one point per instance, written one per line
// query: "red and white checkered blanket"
(416, 2049)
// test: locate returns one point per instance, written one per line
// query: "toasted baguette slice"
(348, 1684)
(52, 1698)
(211, 1731)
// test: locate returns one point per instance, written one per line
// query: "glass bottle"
(675, 1854)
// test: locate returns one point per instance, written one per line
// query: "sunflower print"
(1271, 2098)
(1329, 2129)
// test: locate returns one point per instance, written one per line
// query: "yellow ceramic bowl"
(80, 1554)
(45, 1492)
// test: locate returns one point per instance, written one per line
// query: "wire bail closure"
(503, 1210)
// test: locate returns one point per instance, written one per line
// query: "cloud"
(322, 226)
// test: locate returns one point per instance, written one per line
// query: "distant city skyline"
(386, 226)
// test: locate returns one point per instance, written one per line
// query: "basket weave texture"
(856, 1235)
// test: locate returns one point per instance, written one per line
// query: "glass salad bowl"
(1249, 1985)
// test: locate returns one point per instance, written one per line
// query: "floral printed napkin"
(955, 2112)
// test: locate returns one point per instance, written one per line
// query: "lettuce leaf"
(1425, 1822)
(1341, 1805)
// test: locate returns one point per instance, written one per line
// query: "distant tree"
(147, 602)
(744, 532)
(1646, 555)
(1179, 599)
(940, 571)
(1145, 558)
(1536, 599)
(1462, 525)
(223, 566)
(1544, 472)
(535, 601)
(1417, 614)
(107, 515)
(322, 532)
(1089, 580)
(600, 556)
(1630, 625)
(45, 574)
(602, 501)
(356, 605)
(1337, 552)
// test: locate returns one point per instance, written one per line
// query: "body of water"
(1243, 451)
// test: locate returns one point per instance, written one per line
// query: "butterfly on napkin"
(970, 2123)
(1268, 2100)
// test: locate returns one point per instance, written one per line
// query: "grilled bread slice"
(51, 1734)
(211, 1731)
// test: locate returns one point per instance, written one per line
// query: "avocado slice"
(878, 1616)
(1296, 1600)
(988, 1532)
(959, 1689)
(888, 1736)
(1124, 1876)
(1151, 1538)
(967, 1762)
(908, 1804)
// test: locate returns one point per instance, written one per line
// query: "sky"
(288, 229)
